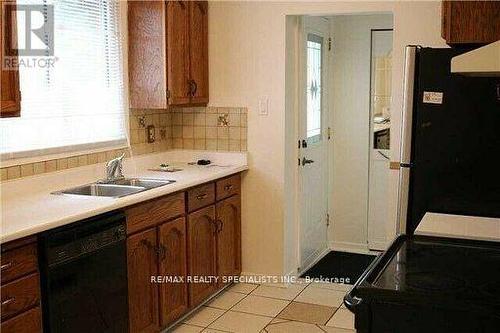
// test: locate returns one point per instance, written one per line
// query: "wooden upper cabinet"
(173, 262)
(168, 53)
(198, 53)
(178, 52)
(10, 92)
(228, 237)
(201, 252)
(470, 22)
(142, 294)
(147, 54)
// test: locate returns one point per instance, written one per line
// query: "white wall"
(247, 60)
(350, 77)
(292, 77)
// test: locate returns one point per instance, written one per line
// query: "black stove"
(430, 284)
(431, 266)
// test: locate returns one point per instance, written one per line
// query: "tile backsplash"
(210, 129)
(139, 120)
(200, 128)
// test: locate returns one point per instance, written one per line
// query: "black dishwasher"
(84, 276)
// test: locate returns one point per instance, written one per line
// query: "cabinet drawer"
(201, 196)
(151, 213)
(20, 295)
(18, 262)
(228, 186)
(27, 322)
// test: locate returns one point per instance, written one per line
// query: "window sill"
(42, 158)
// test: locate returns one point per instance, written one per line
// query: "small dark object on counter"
(204, 162)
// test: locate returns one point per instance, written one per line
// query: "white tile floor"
(257, 308)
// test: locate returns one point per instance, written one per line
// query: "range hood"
(484, 61)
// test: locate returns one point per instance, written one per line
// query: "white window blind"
(77, 104)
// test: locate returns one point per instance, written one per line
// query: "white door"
(378, 195)
(313, 175)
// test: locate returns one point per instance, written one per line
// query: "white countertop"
(459, 226)
(27, 207)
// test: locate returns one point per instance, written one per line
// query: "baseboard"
(318, 258)
(350, 247)
(378, 246)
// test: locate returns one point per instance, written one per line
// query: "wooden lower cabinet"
(18, 262)
(20, 287)
(27, 322)
(19, 295)
(158, 251)
(173, 263)
(202, 247)
(142, 294)
(229, 237)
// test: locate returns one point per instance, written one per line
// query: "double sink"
(117, 188)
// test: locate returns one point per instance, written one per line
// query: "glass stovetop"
(443, 267)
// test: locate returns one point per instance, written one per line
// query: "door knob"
(306, 161)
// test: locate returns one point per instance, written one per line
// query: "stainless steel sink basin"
(143, 182)
(103, 190)
(116, 189)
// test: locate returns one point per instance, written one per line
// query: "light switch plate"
(264, 106)
(150, 131)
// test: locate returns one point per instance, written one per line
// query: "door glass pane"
(314, 86)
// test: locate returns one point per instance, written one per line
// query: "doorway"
(341, 152)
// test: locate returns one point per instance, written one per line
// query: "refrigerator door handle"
(408, 96)
(406, 134)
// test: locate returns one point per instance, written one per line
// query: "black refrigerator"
(450, 163)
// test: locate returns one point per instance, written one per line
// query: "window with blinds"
(77, 104)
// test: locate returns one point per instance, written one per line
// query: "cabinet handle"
(8, 301)
(191, 88)
(162, 252)
(220, 225)
(195, 87)
(6, 266)
(212, 222)
(201, 196)
(147, 243)
(228, 187)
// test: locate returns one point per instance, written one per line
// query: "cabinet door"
(198, 51)
(228, 237)
(201, 253)
(10, 102)
(471, 22)
(147, 54)
(173, 296)
(178, 52)
(142, 294)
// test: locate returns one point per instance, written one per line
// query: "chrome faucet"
(114, 169)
